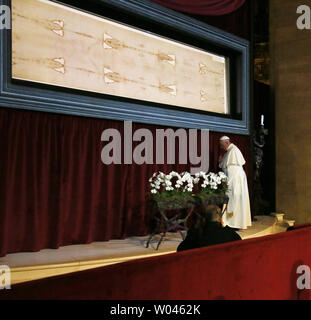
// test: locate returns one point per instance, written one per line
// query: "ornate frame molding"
(14, 94)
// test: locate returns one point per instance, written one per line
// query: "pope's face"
(223, 145)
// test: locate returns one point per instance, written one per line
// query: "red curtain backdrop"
(203, 7)
(236, 22)
(55, 190)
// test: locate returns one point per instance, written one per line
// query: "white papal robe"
(238, 213)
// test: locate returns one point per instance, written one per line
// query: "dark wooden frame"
(25, 95)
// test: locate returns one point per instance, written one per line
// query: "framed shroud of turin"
(90, 64)
(78, 50)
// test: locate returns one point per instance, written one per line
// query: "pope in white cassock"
(238, 213)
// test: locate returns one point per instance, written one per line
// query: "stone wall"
(291, 87)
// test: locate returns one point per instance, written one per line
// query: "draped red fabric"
(237, 22)
(203, 7)
(55, 190)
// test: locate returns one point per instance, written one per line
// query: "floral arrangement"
(175, 185)
(211, 183)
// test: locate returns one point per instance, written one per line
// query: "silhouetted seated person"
(208, 231)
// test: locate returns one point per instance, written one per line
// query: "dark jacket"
(213, 233)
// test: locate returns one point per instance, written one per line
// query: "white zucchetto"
(223, 138)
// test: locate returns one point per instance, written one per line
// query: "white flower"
(222, 176)
(185, 181)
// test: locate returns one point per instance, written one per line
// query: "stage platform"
(26, 266)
